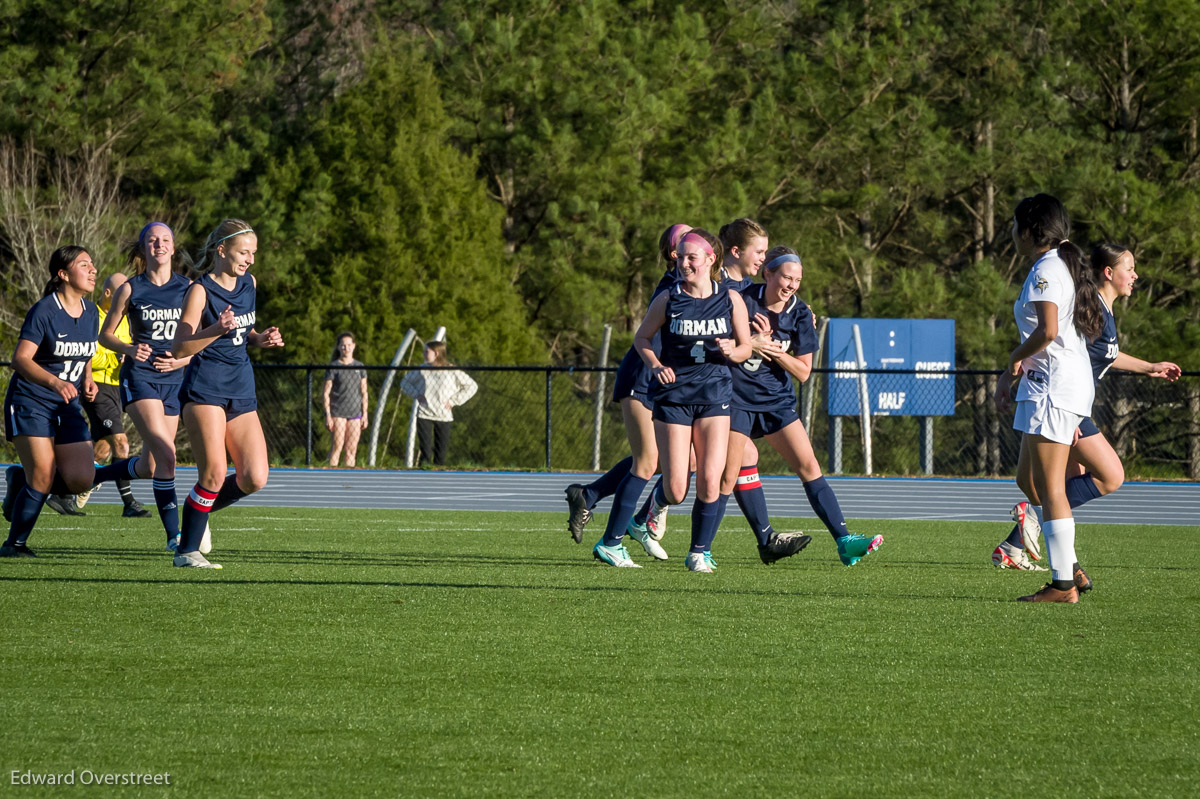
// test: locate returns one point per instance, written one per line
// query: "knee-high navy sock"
(653, 502)
(25, 510)
(195, 516)
(1082, 489)
(753, 502)
(229, 493)
(1014, 537)
(705, 521)
(166, 500)
(606, 484)
(125, 468)
(624, 501)
(825, 505)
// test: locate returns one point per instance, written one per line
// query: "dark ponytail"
(1044, 219)
(60, 261)
(1105, 256)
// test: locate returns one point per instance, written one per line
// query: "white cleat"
(1007, 556)
(173, 543)
(206, 540)
(614, 556)
(82, 497)
(657, 524)
(644, 537)
(698, 562)
(1031, 530)
(193, 560)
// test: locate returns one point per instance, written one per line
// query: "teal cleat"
(709, 559)
(852, 548)
(614, 556)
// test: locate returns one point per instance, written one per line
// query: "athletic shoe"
(16, 551)
(193, 560)
(1026, 519)
(642, 535)
(173, 543)
(1051, 594)
(1009, 557)
(697, 562)
(657, 524)
(10, 490)
(134, 510)
(614, 556)
(782, 545)
(710, 560)
(1083, 583)
(206, 540)
(64, 504)
(82, 497)
(580, 513)
(853, 547)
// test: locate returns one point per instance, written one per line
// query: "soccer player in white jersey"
(1094, 468)
(1057, 310)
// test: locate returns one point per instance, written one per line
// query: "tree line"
(506, 168)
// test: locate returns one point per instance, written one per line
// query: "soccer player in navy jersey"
(1093, 468)
(704, 329)
(220, 409)
(42, 414)
(151, 375)
(631, 391)
(764, 406)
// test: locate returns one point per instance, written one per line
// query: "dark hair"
(1044, 219)
(61, 260)
(439, 350)
(774, 253)
(135, 252)
(1105, 255)
(739, 232)
(665, 247)
(717, 248)
(337, 344)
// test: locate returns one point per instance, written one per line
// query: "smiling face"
(1123, 275)
(80, 275)
(694, 263)
(784, 282)
(751, 257)
(158, 246)
(237, 254)
(346, 348)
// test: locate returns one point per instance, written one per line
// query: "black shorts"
(104, 412)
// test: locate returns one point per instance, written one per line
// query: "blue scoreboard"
(924, 348)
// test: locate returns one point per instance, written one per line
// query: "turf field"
(404, 653)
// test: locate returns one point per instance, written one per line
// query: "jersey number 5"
(239, 336)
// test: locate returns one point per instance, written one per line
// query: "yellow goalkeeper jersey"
(106, 364)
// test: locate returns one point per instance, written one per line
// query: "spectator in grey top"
(436, 392)
(345, 401)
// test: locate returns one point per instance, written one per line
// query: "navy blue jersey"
(736, 285)
(689, 334)
(1104, 350)
(153, 313)
(65, 346)
(759, 384)
(633, 376)
(223, 367)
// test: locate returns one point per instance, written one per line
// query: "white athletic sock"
(1060, 547)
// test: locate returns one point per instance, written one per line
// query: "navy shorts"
(632, 379)
(64, 422)
(1087, 428)
(686, 414)
(104, 412)
(233, 407)
(133, 390)
(756, 424)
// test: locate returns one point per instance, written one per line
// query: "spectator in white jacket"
(436, 392)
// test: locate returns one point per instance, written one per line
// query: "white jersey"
(1062, 373)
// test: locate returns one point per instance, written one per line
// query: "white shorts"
(1040, 418)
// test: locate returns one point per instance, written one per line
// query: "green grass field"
(387, 653)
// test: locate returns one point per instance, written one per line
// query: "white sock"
(1060, 547)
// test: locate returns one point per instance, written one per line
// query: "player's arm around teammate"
(43, 417)
(220, 409)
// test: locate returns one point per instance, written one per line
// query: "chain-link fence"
(549, 418)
